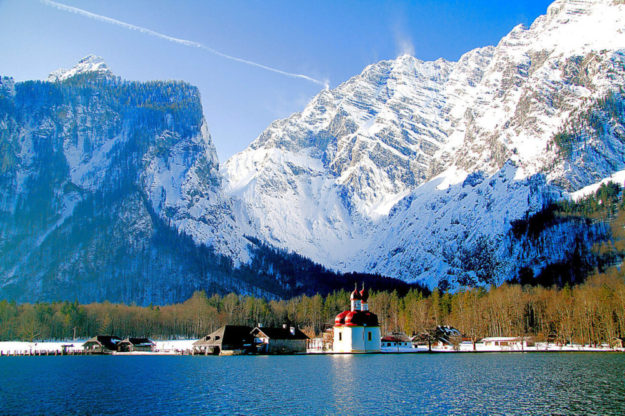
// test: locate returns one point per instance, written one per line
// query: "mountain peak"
(90, 63)
(569, 6)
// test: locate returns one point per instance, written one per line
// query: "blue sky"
(325, 40)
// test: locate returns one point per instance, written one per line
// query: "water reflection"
(344, 382)
(456, 384)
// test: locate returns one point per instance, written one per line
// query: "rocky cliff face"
(318, 181)
(369, 175)
(95, 171)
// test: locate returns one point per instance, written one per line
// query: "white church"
(357, 330)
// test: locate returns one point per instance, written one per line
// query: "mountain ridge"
(356, 151)
(411, 169)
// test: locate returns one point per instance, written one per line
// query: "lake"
(457, 384)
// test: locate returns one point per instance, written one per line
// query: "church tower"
(364, 297)
(355, 299)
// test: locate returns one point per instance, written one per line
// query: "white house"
(396, 340)
(507, 343)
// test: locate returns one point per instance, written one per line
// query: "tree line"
(589, 313)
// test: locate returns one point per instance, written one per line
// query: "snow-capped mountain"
(111, 190)
(88, 64)
(99, 180)
(417, 170)
(369, 176)
(318, 181)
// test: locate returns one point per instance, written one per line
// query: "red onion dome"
(340, 318)
(361, 318)
(372, 319)
(351, 316)
(355, 295)
(364, 294)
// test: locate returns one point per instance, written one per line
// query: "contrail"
(184, 42)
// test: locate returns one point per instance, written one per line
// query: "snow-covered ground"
(20, 348)
(174, 347)
(481, 347)
(617, 177)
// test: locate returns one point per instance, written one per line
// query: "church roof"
(356, 318)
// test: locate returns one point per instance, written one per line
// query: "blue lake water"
(457, 384)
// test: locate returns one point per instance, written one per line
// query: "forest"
(591, 311)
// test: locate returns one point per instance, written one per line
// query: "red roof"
(340, 318)
(356, 318)
(355, 295)
(390, 338)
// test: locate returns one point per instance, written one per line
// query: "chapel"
(357, 330)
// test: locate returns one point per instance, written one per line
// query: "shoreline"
(184, 347)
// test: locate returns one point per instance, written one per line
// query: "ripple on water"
(455, 384)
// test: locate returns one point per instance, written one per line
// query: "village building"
(135, 345)
(285, 340)
(396, 340)
(101, 344)
(227, 340)
(617, 342)
(323, 343)
(357, 330)
(421, 340)
(443, 336)
(446, 335)
(65, 348)
(511, 343)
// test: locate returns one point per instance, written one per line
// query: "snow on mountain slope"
(181, 171)
(616, 177)
(374, 134)
(410, 169)
(535, 79)
(90, 63)
(182, 181)
(322, 182)
(318, 181)
(432, 233)
(99, 179)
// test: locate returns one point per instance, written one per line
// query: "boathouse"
(227, 340)
(135, 345)
(285, 340)
(101, 344)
